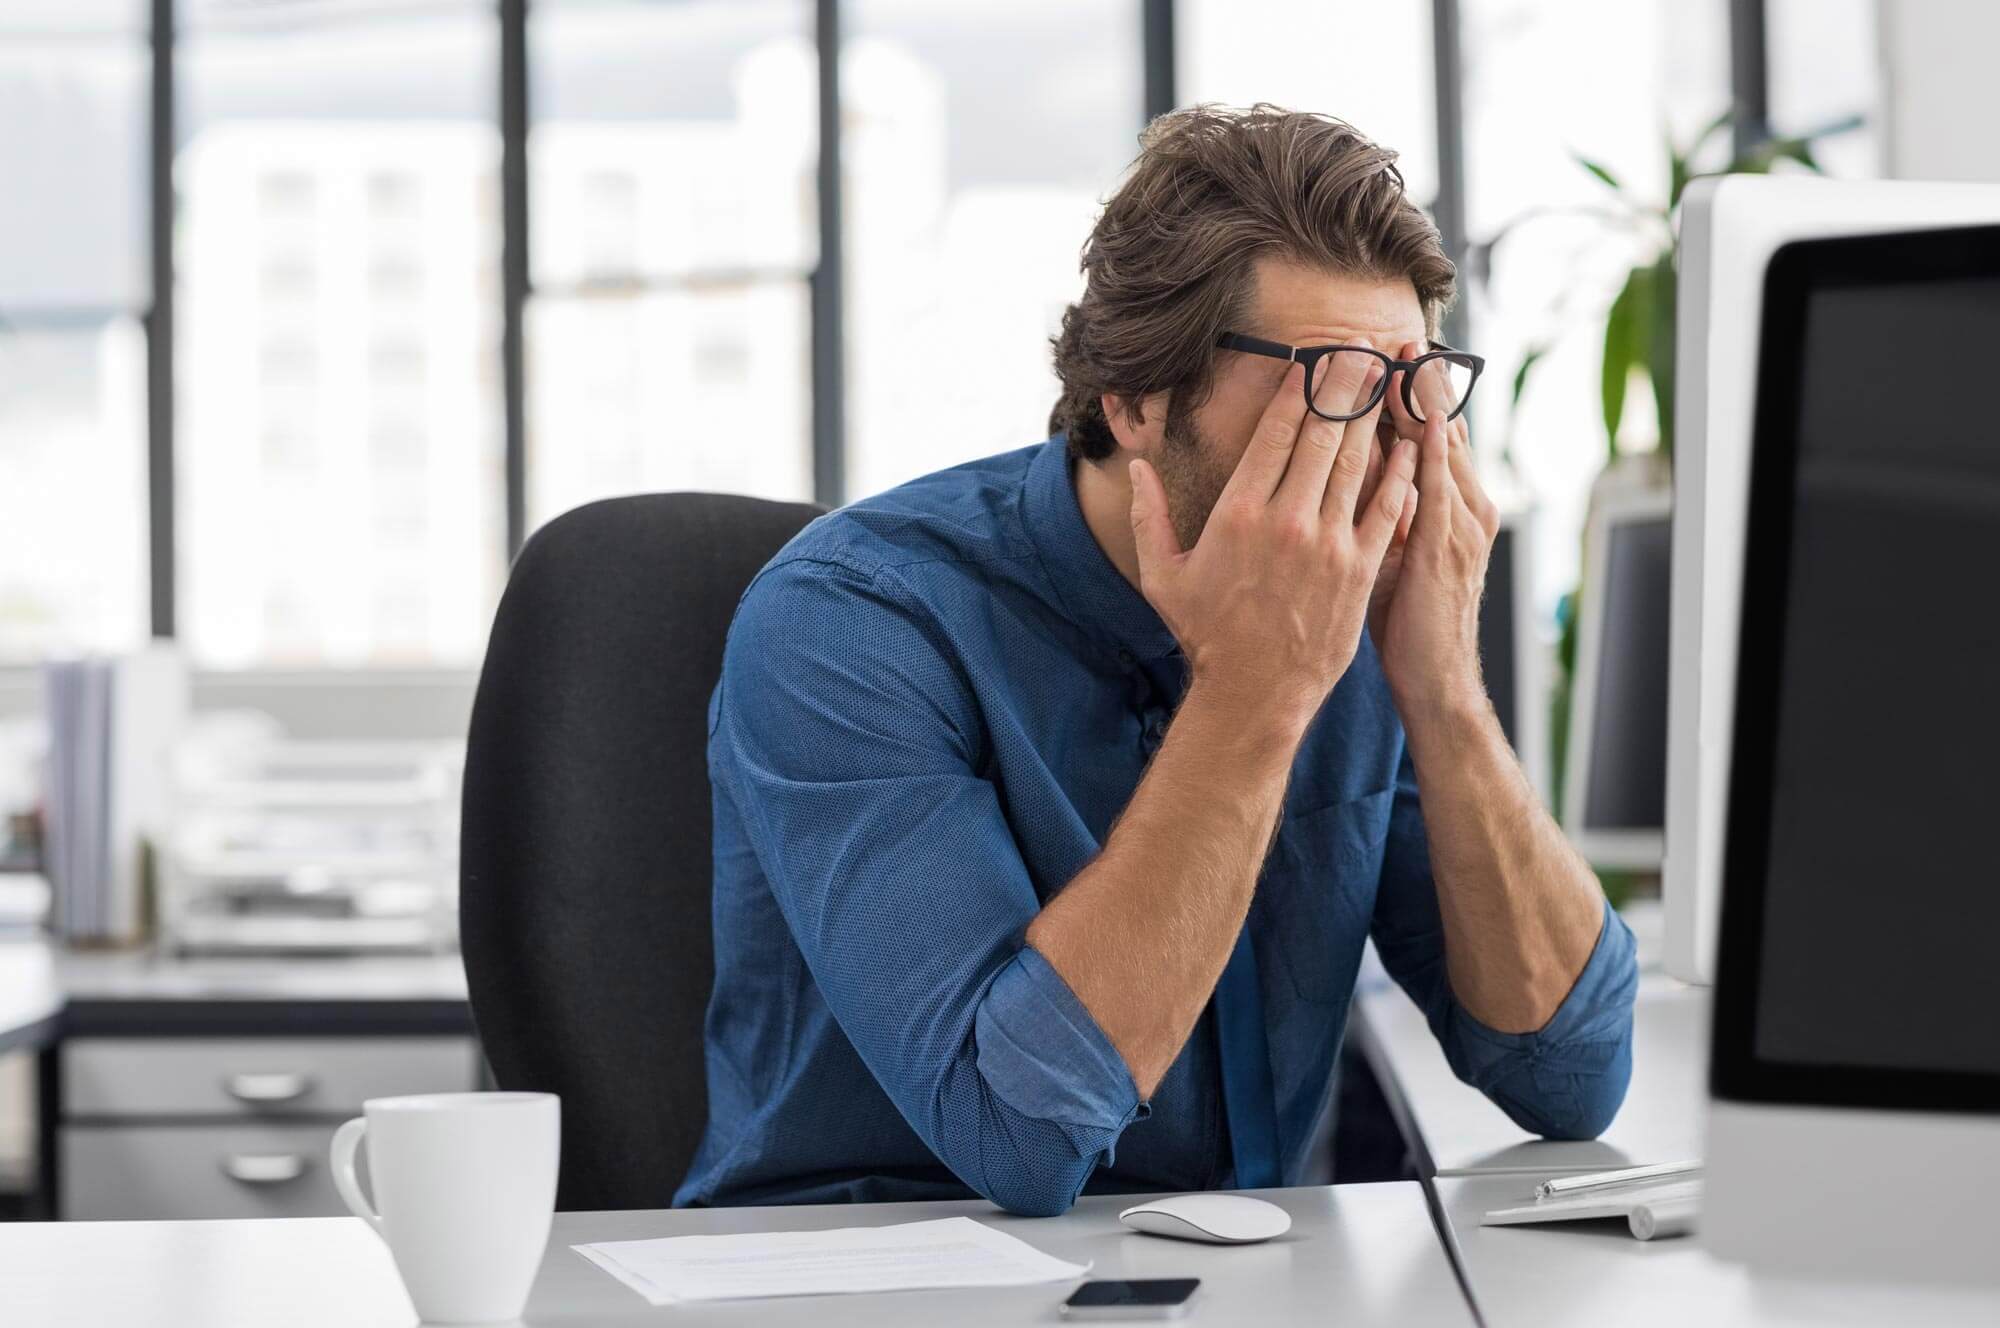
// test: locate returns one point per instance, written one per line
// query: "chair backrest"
(584, 855)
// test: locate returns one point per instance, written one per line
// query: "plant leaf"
(1626, 334)
(1599, 171)
(1661, 363)
(1710, 130)
(1528, 362)
(1759, 159)
(1790, 149)
(1840, 124)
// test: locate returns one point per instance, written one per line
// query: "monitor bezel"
(1617, 849)
(1736, 1072)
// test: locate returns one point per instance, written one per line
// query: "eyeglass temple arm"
(1279, 350)
(1256, 346)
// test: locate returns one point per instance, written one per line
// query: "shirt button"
(1126, 661)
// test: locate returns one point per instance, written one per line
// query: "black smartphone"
(1150, 1298)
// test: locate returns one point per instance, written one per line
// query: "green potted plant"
(1638, 344)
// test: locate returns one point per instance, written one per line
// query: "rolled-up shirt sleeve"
(855, 770)
(1565, 1080)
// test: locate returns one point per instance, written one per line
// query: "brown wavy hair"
(1169, 264)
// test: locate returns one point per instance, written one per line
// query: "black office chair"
(584, 859)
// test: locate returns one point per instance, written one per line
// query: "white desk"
(31, 998)
(1356, 1255)
(1466, 1135)
(1589, 1275)
(205, 1015)
(46, 991)
(93, 977)
(1593, 1274)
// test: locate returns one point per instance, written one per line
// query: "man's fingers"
(1432, 388)
(1464, 471)
(1407, 425)
(1316, 462)
(1465, 475)
(1385, 423)
(1434, 480)
(1152, 528)
(1377, 458)
(1384, 512)
(1350, 468)
(1263, 465)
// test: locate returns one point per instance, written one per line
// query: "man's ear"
(1138, 423)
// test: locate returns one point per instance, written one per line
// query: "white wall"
(1941, 89)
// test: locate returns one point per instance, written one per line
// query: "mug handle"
(345, 1140)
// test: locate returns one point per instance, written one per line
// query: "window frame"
(1154, 30)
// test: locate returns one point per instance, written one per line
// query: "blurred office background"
(312, 311)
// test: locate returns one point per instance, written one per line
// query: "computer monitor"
(1855, 1073)
(1615, 785)
(1729, 228)
(1511, 652)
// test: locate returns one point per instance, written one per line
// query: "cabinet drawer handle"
(263, 1168)
(282, 1087)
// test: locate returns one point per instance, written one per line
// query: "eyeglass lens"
(1440, 385)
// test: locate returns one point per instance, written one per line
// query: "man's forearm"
(1141, 934)
(1521, 910)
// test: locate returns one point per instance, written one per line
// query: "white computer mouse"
(1220, 1219)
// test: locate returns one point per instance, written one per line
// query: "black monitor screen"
(1627, 787)
(1869, 705)
(1496, 635)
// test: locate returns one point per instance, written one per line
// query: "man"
(1056, 794)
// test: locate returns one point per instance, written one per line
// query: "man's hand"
(1268, 605)
(1425, 609)
(1521, 911)
(1268, 608)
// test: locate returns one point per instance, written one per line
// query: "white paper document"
(914, 1256)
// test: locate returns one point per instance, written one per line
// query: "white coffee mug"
(465, 1185)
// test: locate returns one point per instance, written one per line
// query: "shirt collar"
(1090, 589)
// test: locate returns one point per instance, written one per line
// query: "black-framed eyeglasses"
(1454, 372)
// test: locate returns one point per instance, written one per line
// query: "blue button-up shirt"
(933, 706)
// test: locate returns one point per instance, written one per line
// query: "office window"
(287, 197)
(73, 209)
(337, 246)
(73, 501)
(394, 197)
(396, 282)
(288, 445)
(672, 233)
(1375, 72)
(73, 278)
(1547, 81)
(1823, 68)
(978, 141)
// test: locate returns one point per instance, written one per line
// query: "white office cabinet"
(144, 1172)
(193, 1127)
(259, 1076)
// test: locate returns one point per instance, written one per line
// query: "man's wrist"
(1260, 720)
(1446, 715)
